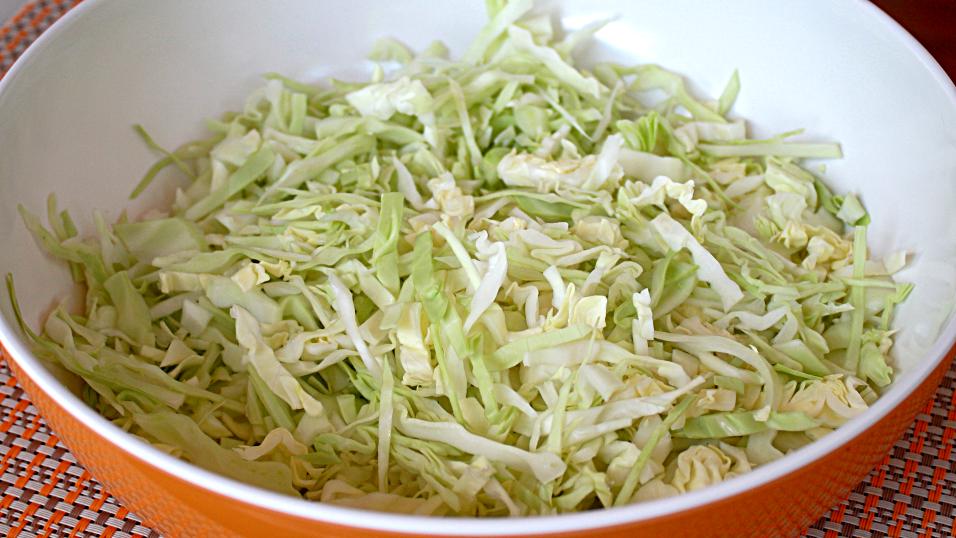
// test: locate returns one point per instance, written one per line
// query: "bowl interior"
(839, 70)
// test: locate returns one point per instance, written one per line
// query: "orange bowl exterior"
(783, 507)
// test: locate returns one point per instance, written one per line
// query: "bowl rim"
(266, 500)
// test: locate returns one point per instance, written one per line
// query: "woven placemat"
(45, 492)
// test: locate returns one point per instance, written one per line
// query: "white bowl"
(842, 70)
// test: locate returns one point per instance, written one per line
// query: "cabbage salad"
(491, 286)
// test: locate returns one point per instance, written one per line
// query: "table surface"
(8, 8)
(45, 492)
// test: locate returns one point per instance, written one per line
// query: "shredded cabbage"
(505, 285)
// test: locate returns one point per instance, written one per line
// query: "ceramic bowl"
(842, 70)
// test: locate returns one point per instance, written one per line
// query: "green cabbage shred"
(505, 285)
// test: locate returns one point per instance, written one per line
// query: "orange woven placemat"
(45, 492)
